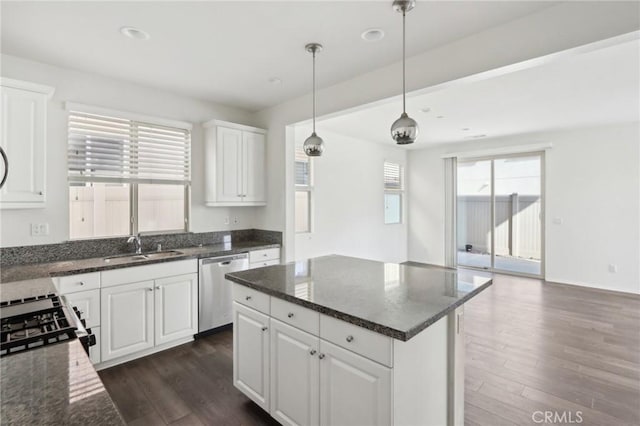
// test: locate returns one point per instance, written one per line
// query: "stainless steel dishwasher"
(214, 308)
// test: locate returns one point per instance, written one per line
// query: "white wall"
(348, 216)
(114, 94)
(532, 36)
(592, 185)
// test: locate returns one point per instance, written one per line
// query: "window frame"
(389, 191)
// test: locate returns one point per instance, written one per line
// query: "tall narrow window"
(126, 176)
(304, 191)
(393, 193)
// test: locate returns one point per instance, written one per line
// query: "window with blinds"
(126, 176)
(393, 192)
(304, 191)
(111, 149)
(392, 176)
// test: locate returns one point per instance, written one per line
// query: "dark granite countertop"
(70, 267)
(54, 385)
(395, 300)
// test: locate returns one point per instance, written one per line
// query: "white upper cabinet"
(23, 139)
(235, 170)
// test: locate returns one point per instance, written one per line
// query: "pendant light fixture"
(405, 129)
(314, 145)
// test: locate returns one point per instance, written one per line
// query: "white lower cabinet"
(142, 315)
(127, 319)
(251, 354)
(295, 374)
(88, 303)
(176, 307)
(353, 390)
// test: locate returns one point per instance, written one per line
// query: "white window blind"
(392, 176)
(104, 148)
(302, 174)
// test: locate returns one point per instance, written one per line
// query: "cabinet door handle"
(290, 315)
(312, 352)
(81, 283)
(157, 287)
(150, 289)
(349, 339)
(247, 298)
(264, 328)
(321, 356)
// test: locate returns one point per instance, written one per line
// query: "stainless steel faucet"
(137, 244)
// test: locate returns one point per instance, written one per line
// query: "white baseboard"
(589, 286)
(131, 357)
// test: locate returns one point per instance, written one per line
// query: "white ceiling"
(596, 88)
(226, 52)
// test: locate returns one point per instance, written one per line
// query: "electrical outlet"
(613, 268)
(39, 229)
(226, 220)
(235, 220)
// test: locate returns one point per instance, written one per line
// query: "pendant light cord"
(314, 91)
(404, 73)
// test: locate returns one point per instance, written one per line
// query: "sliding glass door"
(500, 214)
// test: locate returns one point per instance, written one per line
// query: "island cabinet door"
(251, 354)
(353, 390)
(295, 369)
(126, 319)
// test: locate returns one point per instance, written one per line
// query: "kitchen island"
(338, 340)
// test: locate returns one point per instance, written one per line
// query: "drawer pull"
(264, 328)
(290, 315)
(349, 339)
(81, 283)
(264, 254)
(321, 356)
(247, 298)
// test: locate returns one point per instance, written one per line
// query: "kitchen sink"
(124, 258)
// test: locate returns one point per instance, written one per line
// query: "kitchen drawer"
(79, 282)
(265, 263)
(251, 298)
(263, 255)
(88, 303)
(296, 315)
(365, 342)
(154, 271)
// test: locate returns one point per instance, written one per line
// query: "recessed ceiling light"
(477, 136)
(134, 33)
(425, 110)
(465, 129)
(275, 81)
(440, 116)
(372, 34)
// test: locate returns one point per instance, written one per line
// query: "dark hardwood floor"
(531, 348)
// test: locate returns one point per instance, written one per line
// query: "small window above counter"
(235, 167)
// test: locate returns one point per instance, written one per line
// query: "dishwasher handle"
(224, 260)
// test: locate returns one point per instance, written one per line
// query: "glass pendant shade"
(313, 146)
(404, 130)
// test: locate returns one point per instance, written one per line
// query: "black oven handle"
(6, 166)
